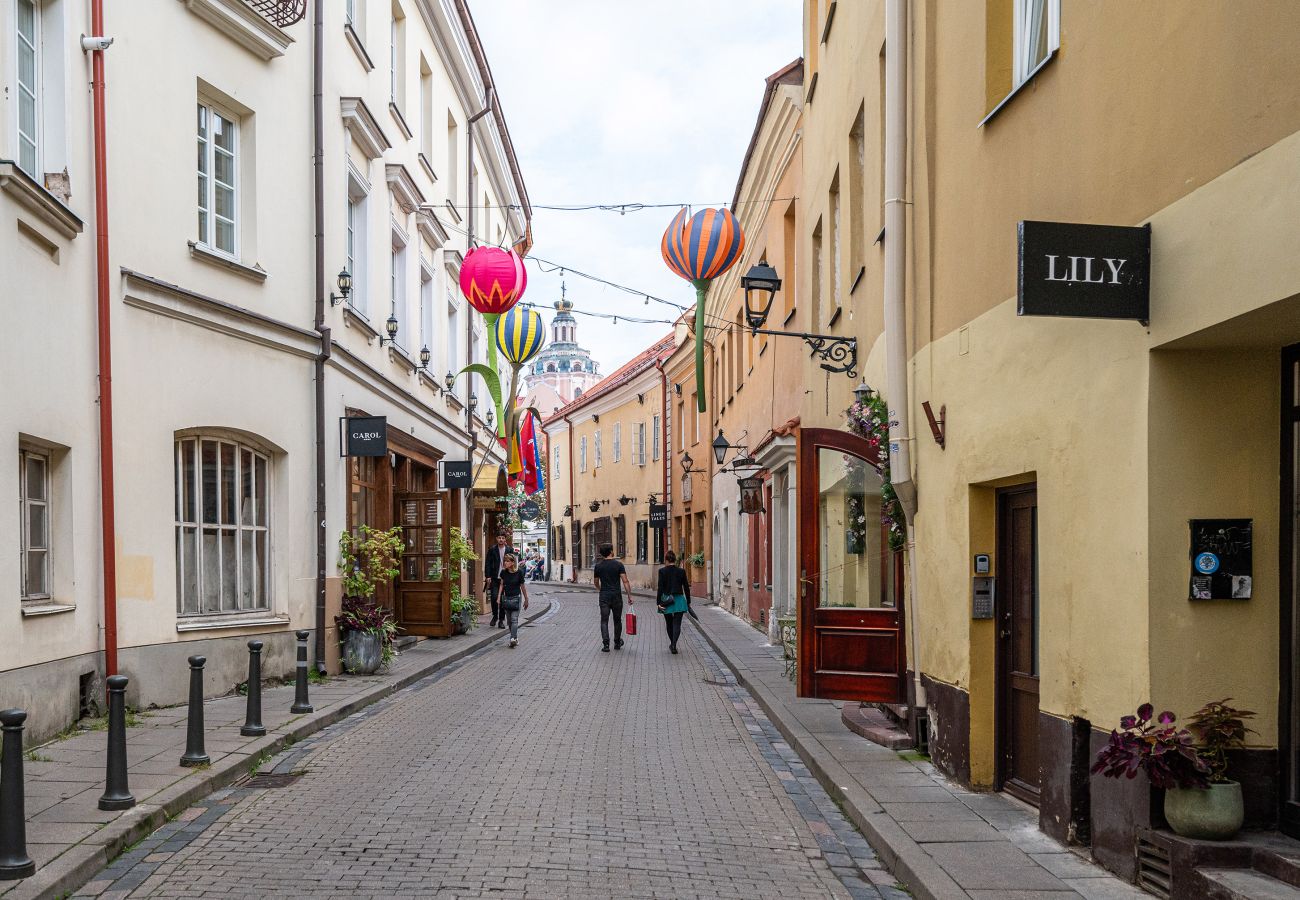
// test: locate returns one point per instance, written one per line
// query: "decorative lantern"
(520, 335)
(700, 249)
(493, 279)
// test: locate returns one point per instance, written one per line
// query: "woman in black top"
(514, 594)
(673, 596)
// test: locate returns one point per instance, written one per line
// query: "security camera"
(90, 44)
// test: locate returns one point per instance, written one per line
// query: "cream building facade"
(211, 313)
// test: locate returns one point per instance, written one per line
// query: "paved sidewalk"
(70, 838)
(941, 840)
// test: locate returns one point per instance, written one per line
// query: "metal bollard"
(301, 703)
(14, 861)
(253, 726)
(117, 795)
(195, 755)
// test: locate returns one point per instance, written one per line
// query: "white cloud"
(619, 101)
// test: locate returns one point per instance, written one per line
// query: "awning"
(491, 480)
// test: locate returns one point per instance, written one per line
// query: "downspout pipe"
(573, 569)
(665, 466)
(318, 199)
(108, 519)
(896, 361)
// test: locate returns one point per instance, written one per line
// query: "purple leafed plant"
(1166, 753)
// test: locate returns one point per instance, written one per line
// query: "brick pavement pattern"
(550, 770)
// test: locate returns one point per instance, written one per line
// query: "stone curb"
(904, 858)
(77, 865)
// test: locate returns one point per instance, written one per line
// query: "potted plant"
(367, 559)
(464, 608)
(1214, 812)
(696, 559)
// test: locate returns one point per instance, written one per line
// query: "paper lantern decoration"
(699, 249)
(519, 335)
(493, 279)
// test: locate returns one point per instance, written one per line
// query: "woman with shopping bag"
(673, 597)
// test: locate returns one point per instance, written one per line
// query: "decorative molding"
(361, 124)
(216, 623)
(403, 187)
(18, 184)
(47, 609)
(455, 213)
(400, 119)
(354, 41)
(431, 229)
(237, 21)
(354, 318)
(428, 168)
(203, 254)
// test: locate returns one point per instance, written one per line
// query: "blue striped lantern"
(519, 335)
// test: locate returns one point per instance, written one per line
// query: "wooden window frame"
(26, 502)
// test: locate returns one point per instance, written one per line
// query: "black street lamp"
(391, 327)
(761, 284)
(425, 356)
(449, 381)
(345, 288)
(863, 392)
(687, 464)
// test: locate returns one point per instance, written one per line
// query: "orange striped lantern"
(699, 249)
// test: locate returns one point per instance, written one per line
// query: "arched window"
(550, 367)
(577, 392)
(223, 491)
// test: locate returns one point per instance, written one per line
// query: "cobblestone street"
(550, 770)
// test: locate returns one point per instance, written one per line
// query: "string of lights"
(622, 208)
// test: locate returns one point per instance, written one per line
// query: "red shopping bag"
(630, 627)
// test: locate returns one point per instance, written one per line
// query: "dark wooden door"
(1289, 726)
(423, 589)
(850, 645)
(1017, 593)
(758, 587)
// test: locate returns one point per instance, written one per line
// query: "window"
(620, 537)
(642, 540)
(426, 305)
(654, 438)
(555, 470)
(582, 454)
(34, 512)
(558, 549)
(1036, 36)
(397, 59)
(453, 159)
(350, 11)
(599, 460)
(790, 230)
(640, 444)
(836, 266)
(681, 424)
(28, 36)
(218, 174)
(357, 239)
(453, 325)
(222, 527)
(618, 441)
(817, 263)
(857, 194)
(426, 110)
(397, 282)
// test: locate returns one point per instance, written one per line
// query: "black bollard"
(301, 704)
(253, 726)
(195, 755)
(117, 795)
(14, 861)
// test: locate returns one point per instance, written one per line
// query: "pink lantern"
(493, 279)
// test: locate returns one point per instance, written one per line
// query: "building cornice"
(361, 124)
(237, 21)
(403, 187)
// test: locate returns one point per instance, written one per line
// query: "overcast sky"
(623, 101)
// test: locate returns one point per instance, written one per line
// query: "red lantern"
(493, 279)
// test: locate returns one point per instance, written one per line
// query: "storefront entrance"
(423, 590)
(850, 632)
(1289, 725)
(758, 588)
(1017, 620)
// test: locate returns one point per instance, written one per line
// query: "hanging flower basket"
(870, 421)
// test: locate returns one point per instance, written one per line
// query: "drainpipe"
(900, 433)
(108, 526)
(318, 199)
(663, 455)
(573, 568)
(488, 98)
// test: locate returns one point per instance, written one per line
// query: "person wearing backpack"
(673, 597)
(514, 595)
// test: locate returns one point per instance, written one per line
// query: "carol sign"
(1088, 271)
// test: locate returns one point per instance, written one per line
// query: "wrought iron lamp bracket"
(840, 354)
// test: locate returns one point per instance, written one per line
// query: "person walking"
(610, 577)
(493, 566)
(673, 597)
(514, 595)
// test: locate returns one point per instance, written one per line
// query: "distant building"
(563, 371)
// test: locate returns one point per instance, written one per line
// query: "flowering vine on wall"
(870, 421)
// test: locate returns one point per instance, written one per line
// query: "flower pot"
(362, 653)
(1211, 814)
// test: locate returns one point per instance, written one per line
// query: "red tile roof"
(657, 352)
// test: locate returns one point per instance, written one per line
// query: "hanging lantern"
(519, 335)
(699, 249)
(493, 279)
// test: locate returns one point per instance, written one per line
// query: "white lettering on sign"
(365, 435)
(1072, 273)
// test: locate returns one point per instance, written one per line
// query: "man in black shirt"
(611, 577)
(493, 566)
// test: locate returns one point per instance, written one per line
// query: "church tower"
(563, 371)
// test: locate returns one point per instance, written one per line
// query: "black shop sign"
(1221, 556)
(457, 475)
(1086, 271)
(365, 436)
(658, 515)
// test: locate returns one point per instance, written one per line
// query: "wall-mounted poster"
(1221, 559)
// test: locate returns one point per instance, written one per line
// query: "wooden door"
(850, 644)
(758, 585)
(1018, 674)
(1289, 727)
(423, 589)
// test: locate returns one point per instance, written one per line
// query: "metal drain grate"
(1154, 869)
(271, 780)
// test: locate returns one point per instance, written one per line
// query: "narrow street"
(550, 770)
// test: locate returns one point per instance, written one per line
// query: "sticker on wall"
(1221, 554)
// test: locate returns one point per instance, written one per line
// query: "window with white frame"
(357, 239)
(640, 443)
(222, 526)
(397, 59)
(618, 441)
(218, 160)
(654, 438)
(1037, 35)
(642, 540)
(599, 461)
(397, 283)
(582, 454)
(27, 36)
(426, 304)
(350, 11)
(555, 469)
(453, 326)
(34, 509)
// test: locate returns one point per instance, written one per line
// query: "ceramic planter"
(1211, 814)
(362, 653)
